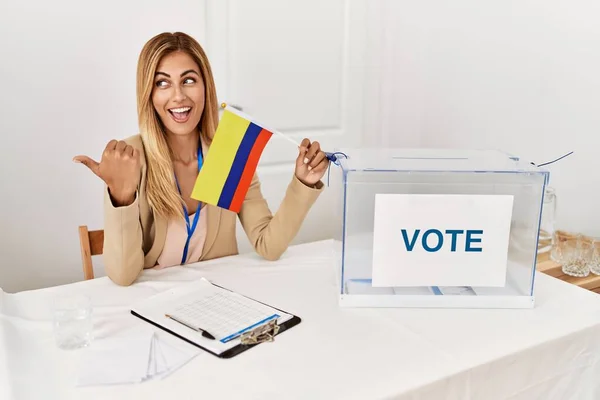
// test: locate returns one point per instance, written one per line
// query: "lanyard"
(192, 228)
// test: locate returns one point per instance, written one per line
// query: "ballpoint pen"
(204, 333)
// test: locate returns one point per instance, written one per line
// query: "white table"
(549, 352)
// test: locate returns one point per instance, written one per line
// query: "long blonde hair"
(161, 189)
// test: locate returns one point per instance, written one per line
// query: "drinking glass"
(573, 256)
(594, 260)
(558, 239)
(73, 325)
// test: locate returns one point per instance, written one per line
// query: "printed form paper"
(200, 304)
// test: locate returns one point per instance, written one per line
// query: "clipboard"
(153, 310)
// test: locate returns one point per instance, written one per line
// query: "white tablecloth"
(549, 352)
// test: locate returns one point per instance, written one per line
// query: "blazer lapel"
(213, 217)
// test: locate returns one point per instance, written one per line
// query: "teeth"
(180, 110)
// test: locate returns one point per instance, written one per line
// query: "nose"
(179, 94)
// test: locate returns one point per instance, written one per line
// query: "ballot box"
(436, 227)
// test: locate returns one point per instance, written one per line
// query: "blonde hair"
(161, 189)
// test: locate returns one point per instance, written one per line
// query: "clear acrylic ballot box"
(436, 228)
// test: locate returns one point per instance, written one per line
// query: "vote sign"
(441, 240)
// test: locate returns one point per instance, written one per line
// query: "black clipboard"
(240, 348)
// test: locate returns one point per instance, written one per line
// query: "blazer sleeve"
(272, 234)
(123, 252)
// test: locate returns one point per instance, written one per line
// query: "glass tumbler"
(73, 325)
(558, 239)
(594, 260)
(573, 256)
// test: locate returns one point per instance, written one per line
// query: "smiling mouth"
(180, 114)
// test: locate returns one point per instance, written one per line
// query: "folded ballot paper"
(133, 356)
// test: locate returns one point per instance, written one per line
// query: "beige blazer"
(134, 237)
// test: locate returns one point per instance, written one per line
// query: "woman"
(150, 219)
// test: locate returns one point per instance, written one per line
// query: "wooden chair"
(92, 244)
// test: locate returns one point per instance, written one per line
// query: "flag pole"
(330, 156)
(289, 139)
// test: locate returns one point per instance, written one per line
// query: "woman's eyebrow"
(182, 74)
(188, 71)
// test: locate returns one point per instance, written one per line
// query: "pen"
(204, 333)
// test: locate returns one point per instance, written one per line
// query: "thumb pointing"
(88, 162)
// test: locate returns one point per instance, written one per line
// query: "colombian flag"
(231, 161)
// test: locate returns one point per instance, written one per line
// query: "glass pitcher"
(548, 221)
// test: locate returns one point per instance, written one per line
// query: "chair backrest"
(92, 244)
